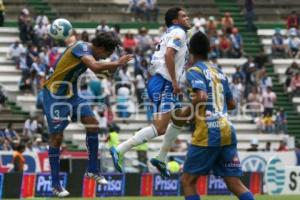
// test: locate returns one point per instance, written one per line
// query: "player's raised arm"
(102, 46)
(99, 67)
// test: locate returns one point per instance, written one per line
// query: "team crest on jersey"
(177, 41)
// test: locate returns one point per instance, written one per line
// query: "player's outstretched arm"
(98, 67)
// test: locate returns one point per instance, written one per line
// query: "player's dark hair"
(199, 45)
(170, 15)
(106, 40)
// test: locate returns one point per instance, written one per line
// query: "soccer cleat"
(117, 159)
(161, 167)
(60, 191)
(97, 177)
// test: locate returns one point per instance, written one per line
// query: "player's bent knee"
(161, 130)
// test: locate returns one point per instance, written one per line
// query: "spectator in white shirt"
(268, 100)
(140, 88)
(15, 51)
(30, 127)
(293, 44)
(237, 89)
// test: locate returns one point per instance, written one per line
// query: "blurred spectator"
(254, 145)
(11, 135)
(225, 46)
(213, 57)
(227, 23)
(42, 19)
(295, 85)
(53, 56)
(262, 59)
(85, 36)
(293, 20)
(96, 91)
(250, 15)
(264, 80)
(237, 43)
(281, 121)
(102, 27)
(129, 42)
(268, 100)
(44, 58)
(2, 98)
(25, 26)
(211, 25)
(293, 44)
(137, 7)
(214, 44)
(18, 158)
(249, 69)
(38, 71)
(144, 40)
(238, 74)
(173, 166)
(15, 51)
(152, 10)
(2, 13)
(140, 86)
(25, 81)
(268, 146)
(178, 146)
(103, 124)
(268, 123)
(40, 30)
(290, 72)
(282, 146)
(113, 138)
(30, 127)
(32, 54)
(236, 88)
(195, 28)
(123, 95)
(125, 76)
(200, 21)
(4, 144)
(278, 46)
(254, 102)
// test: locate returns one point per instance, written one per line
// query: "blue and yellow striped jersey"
(63, 81)
(212, 126)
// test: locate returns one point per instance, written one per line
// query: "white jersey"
(176, 38)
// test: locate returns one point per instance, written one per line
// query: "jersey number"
(217, 96)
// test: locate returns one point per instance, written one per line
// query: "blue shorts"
(223, 161)
(58, 111)
(160, 92)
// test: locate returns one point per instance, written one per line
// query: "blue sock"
(53, 154)
(246, 196)
(194, 197)
(92, 143)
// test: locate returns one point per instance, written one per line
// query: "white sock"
(169, 138)
(142, 136)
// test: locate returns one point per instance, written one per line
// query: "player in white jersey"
(167, 67)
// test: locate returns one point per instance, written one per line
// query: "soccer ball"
(60, 29)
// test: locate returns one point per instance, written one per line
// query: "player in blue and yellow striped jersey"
(62, 99)
(214, 144)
